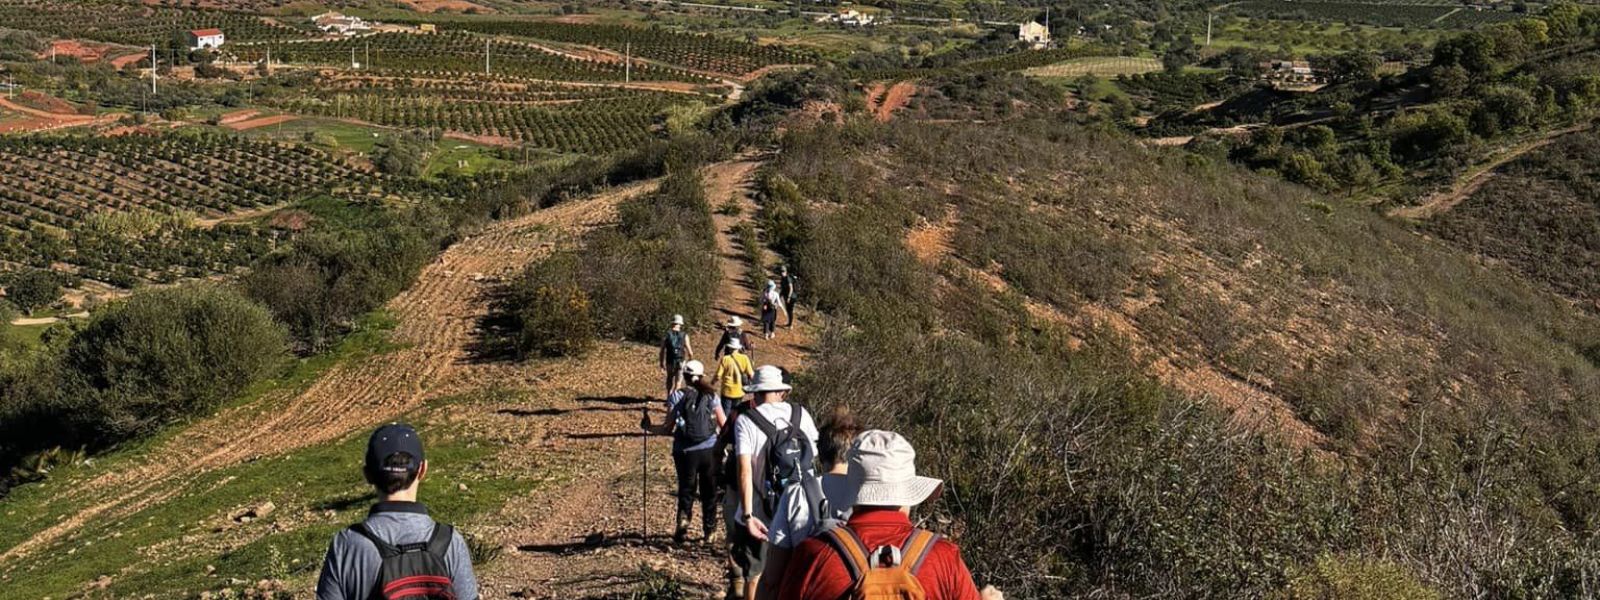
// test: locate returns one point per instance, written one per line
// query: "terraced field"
(124, 23)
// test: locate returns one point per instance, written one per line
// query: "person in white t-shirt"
(749, 442)
(792, 522)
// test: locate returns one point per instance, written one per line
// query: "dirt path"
(41, 120)
(894, 99)
(1469, 185)
(437, 318)
(586, 538)
(35, 321)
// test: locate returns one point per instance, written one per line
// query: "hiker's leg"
(705, 472)
(788, 310)
(685, 465)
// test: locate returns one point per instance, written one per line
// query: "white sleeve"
(744, 436)
(809, 427)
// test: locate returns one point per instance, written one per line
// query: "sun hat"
(735, 321)
(677, 319)
(735, 344)
(694, 368)
(768, 379)
(883, 469)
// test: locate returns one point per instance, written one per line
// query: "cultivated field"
(1103, 66)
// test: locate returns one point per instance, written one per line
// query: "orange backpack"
(885, 573)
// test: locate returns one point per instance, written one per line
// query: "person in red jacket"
(883, 469)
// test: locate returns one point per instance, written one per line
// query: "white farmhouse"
(205, 39)
(339, 24)
(1033, 34)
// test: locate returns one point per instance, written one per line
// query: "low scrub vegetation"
(1063, 455)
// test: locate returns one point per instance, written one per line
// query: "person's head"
(771, 285)
(677, 322)
(783, 269)
(768, 385)
(735, 345)
(734, 323)
(839, 430)
(694, 371)
(395, 464)
(883, 469)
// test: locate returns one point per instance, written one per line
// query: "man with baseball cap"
(882, 467)
(398, 540)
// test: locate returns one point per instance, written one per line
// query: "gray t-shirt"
(350, 570)
(792, 522)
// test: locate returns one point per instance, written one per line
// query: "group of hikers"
(792, 530)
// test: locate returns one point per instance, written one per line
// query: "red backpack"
(413, 571)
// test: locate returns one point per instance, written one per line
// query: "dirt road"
(1469, 185)
(587, 539)
(437, 318)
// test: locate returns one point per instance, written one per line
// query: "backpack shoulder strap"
(385, 549)
(916, 549)
(439, 542)
(796, 413)
(761, 421)
(848, 546)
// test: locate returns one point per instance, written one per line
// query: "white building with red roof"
(205, 39)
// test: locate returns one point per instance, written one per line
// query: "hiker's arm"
(722, 418)
(747, 495)
(330, 584)
(459, 559)
(772, 573)
(688, 346)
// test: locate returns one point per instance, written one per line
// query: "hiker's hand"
(756, 528)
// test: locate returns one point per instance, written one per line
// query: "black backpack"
(699, 416)
(673, 345)
(413, 571)
(789, 458)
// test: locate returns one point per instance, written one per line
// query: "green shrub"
(550, 312)
(1354, 578)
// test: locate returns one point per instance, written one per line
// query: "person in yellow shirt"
(732, 372)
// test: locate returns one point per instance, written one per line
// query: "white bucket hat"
(768, 379)
(883, 469)
(677, 319)
(694, 368)
(735, 344)
(735, 322)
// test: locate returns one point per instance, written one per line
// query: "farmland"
(123, 23)
(1104, 66)
(707, 53)
(122, 209)
(1382, 14)
(458, 53)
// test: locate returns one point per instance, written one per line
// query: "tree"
(1472, 51)
(32, 289)
(1356, 65)
(1449, 81)
(1182, 54)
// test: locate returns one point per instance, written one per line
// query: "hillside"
(1539, 215)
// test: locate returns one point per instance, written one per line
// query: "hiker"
(733, 370)
(733, 331)
(675, 349)
(775, 443)
(794, 520)
(694, 417)
(398, 551)
(786, 289)
(878, 552)
(771, 303)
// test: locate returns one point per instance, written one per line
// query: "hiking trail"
(582, 539)
(1447, 199)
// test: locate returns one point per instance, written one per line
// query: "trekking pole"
(644, 480)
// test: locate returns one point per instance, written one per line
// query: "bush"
(170, 354)
(550, 312)
(1345, 578)
(320, 285)
(32, 289)
(161, 356)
